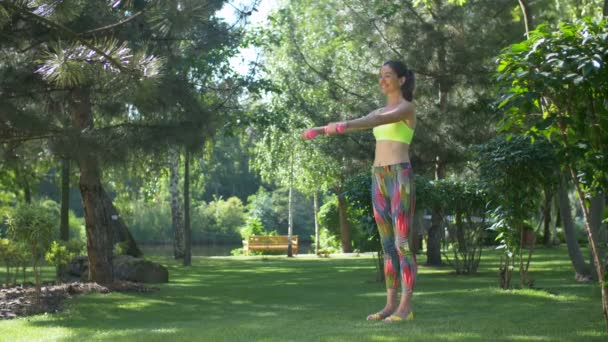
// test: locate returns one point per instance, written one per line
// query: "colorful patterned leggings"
(393, 204)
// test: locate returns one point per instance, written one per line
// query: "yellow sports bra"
(397, 131)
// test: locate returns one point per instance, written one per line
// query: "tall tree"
(556, 84)
(187, 230)
(582, 272)
(96, 57)
(176, 207)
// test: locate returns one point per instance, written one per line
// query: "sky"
(228, 12)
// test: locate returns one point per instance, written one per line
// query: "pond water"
(205, 250)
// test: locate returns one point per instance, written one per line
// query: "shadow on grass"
(311, 299)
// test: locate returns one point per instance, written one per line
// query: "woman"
(392, 183)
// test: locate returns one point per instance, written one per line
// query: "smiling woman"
(392, 183)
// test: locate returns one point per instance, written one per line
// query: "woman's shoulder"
(407, 107)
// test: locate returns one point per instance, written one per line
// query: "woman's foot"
(380, 315)
(400, 316)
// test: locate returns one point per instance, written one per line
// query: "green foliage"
(555, 84)
(58, 254)
(328, 243)
(358, 220)
(514, 170)
(271, 208)
(14, 256)
(120, 248)
(148, 222)
(358, 198)
(76, 247)
(465, 201)
(33, 225)
(328, 215)
(217, 221)
(76, 228)
(429, 3)
(253, 226)
(61, 253)
(7, 255)
(224, 169)
(260, 205)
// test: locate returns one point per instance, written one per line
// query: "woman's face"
(389, 81)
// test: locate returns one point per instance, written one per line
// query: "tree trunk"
(316, 211)
(21, 177)
(187, 230)
(433, 248)
(436, 233)
(460, 234)
(27, 192)
(596, 212)
(290, 210)
(547, 240)
(64, 227)
(344, 226)
(554, 220)
(594, 247)
(98, 228)
(605, 11)
(581, 269)
(417, 231)
(120, 232)
(176, 208)
(525, 10)
(20, 173)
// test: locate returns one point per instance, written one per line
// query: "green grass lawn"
(311, 299)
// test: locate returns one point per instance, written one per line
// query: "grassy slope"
(310, 299)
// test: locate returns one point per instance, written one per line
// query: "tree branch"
(112, 26)
(416, 14)
(66, 31)
(322, 75)
(373, 21)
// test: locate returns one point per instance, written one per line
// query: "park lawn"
(313, 299)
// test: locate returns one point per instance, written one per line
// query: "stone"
(139, 270)
(126, 268)
(78, 266)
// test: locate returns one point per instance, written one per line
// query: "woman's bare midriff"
(391, 153)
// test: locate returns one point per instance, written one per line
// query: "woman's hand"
(332, 128)
(311, 133)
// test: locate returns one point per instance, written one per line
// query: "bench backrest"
(271, 239)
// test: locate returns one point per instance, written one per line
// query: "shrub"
(59, 256)
(253, 226)
(218, 221)
(7, 256)
(328, 243)
(32, 224)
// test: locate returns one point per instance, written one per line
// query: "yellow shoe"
(378, 316)
(394, 318)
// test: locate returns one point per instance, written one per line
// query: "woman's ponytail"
(407, 88)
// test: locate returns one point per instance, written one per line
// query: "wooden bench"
(270, 243)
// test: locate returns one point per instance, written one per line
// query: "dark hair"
(407, 88)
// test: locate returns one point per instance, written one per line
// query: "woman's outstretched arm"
(311, 133)
(376, 118)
